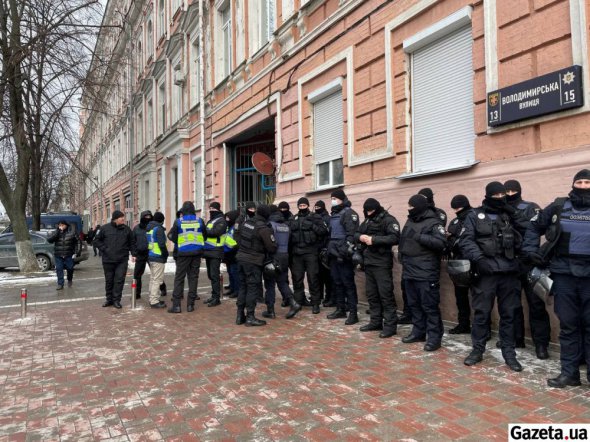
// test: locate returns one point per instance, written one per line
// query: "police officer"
(538, 316)
(157, 257)
(187, 233)
(256, 241)
(422, 242)
(307, 235)
(141, 252)
(344, 223)
(324, 274)
(215, 231)
(566, 224)
(282, 234)
(378, 233)
(285, 210)
(230, 250)
(490, 240)
(460, 204)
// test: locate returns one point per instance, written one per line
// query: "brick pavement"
(81, 372)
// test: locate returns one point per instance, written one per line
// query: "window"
(194, 73)
(442, 103)
(162, 107)
(267, 20)
(227, 40)
(198, 183)
(162, 17)
(150, 40)
(139, 132)
(176, 102)
(139, 62)
(328, 141)
(7, 240)
(149, 133)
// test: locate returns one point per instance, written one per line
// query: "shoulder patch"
(456, 220)
(396, 227)
(534, 218)
(553, 218)
(442, 216)
(481, 216)
(441, 230)
(296, 216)
(272, 237)
(354, 217)
(461, 232)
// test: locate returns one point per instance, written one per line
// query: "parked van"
(49, 221)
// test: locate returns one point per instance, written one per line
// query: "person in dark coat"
(285, 210)
(115, 242)
(256, 241)
(308, 231)
(157, 257)
(215, 231)
(422, 243)
(94, 248)
(566, 225)
(490, 240)
(378, 233)
(66, 246)
(460, 204)
(230, 250)
(324, 276)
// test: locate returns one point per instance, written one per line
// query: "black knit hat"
(427, 192)
(513, 185)
(159, 217)
(338, 193)
(215, 205)
(583, 174)
(371, 204)
(418, 202)
(284, 205)
(460, 202)
(302, 200)
(116, 215)
(62, 221)
(263, 210)
(250, 205)
(320, 204)
(495, 187)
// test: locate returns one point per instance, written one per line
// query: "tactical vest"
(213, 243)
(376, 227)
(304, 237)
(249, 239)
(495, 235)
(153, 246)
(229, 243)
(574, 239)
(411, 247)
(190, 234)
(336, 228)
(282, 233)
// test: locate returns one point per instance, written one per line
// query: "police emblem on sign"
(493, 99)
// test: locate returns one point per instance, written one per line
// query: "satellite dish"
(263, 163)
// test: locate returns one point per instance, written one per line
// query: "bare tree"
(45, 49)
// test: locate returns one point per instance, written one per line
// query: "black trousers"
(572, 307)
(250, 286)
(343, 285)
(186, 266)
(325, 283)
(406, 311)
(424, 300)
(538, 317)
(281, 281)
(506, 287)
(138, 272)
(213, 273)
(463, 309)
(114, 279)
(302, 264)
(379, 290)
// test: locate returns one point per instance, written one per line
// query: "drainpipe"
(202, 109)
(130, 123)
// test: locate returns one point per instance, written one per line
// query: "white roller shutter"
(442, 103)
(327, 128)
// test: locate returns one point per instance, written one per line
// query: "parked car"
(82, 252)
(42, 249)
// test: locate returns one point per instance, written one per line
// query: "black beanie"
(460, 202)
(215, 205)
(512, 185)
(427, 192)
(303, 200)
(116, 215)
(339, 193)
(418, 202)
(273, 208)
(250, 205)
(159, 217)
(371, 204)
(284, 205)
(583, 174)
(495, 187)
(320, 204)
(263, 210)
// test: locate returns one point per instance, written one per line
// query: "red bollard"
(133, 290)
(23, 303)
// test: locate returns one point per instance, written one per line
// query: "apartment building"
(380, 97)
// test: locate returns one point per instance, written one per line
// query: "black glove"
(411, 233)
(537, 259)
(484, 267)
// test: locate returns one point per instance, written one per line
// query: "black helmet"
(460, 272)
(540, 282)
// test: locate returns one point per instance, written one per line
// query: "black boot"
(460, 329)
(241, 317)
(285, 303)
(175, 308)
(329, 303)
(190, 307)
(563, 381)
(352, 318)
(252, 321)
(214, 303)
(270, 312)
(336, 314)
(208, 300)
(295, 308)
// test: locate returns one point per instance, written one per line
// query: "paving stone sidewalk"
(81, 372)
